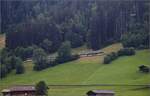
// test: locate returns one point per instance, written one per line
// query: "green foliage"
(95, 23)
(64, 52)
(107, 59)
(122, 52)
(138, 38)
(75, 31)
(40, 59)
(29, 51)
(20, 52)
(4, 54)
(9, 62)
(46, 45)
(75, 39)
(13, 60)
(24, 53)
(19, 66)
(41, 89)
(126, 52)
(110, 57)
(144, 69)
(3, 71)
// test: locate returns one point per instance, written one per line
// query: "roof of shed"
(103, 91)
(19, 88)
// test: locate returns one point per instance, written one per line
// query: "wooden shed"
(19, 91)
(100, 93)
(90, 53)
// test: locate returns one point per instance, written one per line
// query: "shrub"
(110, 57)
(71, 58)
(52, 63)
(142, 47)
(126, 52)
(107, 59)
(122, 52)
(113, 55)
(74, 57)
(144, 69)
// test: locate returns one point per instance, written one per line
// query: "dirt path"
(106, 50)
(2, 41)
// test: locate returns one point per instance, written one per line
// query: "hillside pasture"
(87, 71)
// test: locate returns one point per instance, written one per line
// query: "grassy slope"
(89, 71)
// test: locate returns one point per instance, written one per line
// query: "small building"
(19, 91)
(100, 93)
(90, 53)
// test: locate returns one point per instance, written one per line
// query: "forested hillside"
(86, 44)
(95, 23)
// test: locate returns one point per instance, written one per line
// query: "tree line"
(13, 59)
(91, 22)
(35, 29)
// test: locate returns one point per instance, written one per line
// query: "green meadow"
(89, 70)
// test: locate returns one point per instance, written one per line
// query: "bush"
(71, 58)
(122, 52)
(126, 52)
(113, 55)
(142, 47)
(107, 59)
(144, 69)
(74, 57)
(110, 57)
(52, 63)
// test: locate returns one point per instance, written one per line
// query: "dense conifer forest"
(95, 23)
